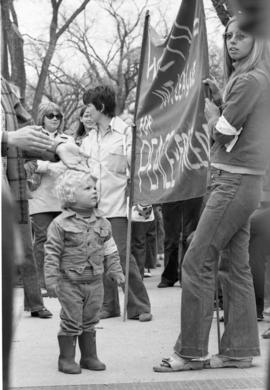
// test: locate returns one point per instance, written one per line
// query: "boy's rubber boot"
(66, 362)
(89, 359)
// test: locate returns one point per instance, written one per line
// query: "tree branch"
(71, 18)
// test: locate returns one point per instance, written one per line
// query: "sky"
(34, 17)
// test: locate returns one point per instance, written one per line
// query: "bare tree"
(55, 34)
(223, 10)
(120, 63)
(216, 63)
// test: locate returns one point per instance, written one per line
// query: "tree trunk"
(42, 78)
(4, 48)
(13, 45)
(18, 75)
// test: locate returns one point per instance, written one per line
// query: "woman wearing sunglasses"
(240, 132)
(44, 205)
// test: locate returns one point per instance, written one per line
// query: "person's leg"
(94, 293)
(111, 305)
(40, 223)
(259, 249)
(233, 199)
(93, 299)
(71, 298)
(138, 300)
(138, 244)
(190, 217)
(172, 226)
(240, 337)
(151, 245)
(160, 229)
(8, 264)
(32, 295)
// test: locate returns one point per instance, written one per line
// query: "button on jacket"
(74, 243)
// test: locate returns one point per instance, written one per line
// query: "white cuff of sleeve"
(42, 166)
(225, 128)
(109, 247)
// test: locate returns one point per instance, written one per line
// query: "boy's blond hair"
(69, 181)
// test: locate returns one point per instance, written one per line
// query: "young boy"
(79, 248)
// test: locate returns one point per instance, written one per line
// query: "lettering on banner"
(145, 125)
(162, 158)
(170, 94)
(153, 67)
(185, 80)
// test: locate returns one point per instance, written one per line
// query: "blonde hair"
(258, 53)
(47, 108)
(68, 183)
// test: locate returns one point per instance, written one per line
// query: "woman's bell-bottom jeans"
(221, 239)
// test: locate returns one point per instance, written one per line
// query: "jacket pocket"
(98, 260)
(73, 237)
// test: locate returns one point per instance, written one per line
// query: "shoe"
(66, 360)
(219, 361)
(160, 257)
(144, 317)
(43, 313)
(164, 284)
(177, 363)
(266, 334)
(147, 274)
(88, 347)
(44, 293)
(105, 314)
(260, 317)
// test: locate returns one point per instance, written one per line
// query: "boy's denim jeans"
(222, 237)
(80, 305)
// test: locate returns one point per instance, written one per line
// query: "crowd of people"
(74, 226)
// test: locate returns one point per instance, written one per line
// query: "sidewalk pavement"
(129, 349)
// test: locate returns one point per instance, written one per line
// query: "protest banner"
(172, 146)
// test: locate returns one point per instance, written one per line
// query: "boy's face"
(86, 195)
(94, 113)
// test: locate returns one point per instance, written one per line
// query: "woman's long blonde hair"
(258, 53)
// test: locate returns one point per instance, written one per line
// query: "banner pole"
(217, 311)
(132, 164)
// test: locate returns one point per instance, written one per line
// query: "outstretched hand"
(72, 156)
(30, 139)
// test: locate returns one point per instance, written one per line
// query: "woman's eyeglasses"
(238, 36)
(51, 116)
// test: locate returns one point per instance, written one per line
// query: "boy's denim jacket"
(74, 243)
